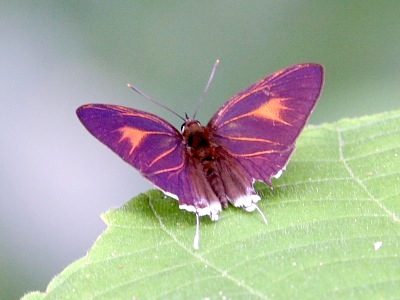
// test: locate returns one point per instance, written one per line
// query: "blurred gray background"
(56, 179)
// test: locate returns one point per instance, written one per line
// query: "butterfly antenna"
(207, 86)
(153, 100)
(196, 240)
(261, 213)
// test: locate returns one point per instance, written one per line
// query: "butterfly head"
(190, 124)
(195, 135)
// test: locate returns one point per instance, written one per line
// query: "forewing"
(143, 140)
(155, 148)
(259, 126)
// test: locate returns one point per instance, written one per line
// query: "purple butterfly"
(250, 138)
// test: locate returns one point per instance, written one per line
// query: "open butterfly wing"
(145, 141)
(155, 148)
(259, 126)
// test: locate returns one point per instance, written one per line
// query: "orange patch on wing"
(134, 136)
(272, 110)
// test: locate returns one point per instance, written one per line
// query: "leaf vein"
(201, 259)
(359, 181)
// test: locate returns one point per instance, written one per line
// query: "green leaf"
(333, 232)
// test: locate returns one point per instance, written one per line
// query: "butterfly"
(250, 138)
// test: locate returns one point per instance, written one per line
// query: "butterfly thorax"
(198, 142)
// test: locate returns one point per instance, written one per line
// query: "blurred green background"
(55, 56)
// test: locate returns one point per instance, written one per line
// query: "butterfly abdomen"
(214, 178)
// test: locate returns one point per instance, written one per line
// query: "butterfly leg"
(260, 211)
